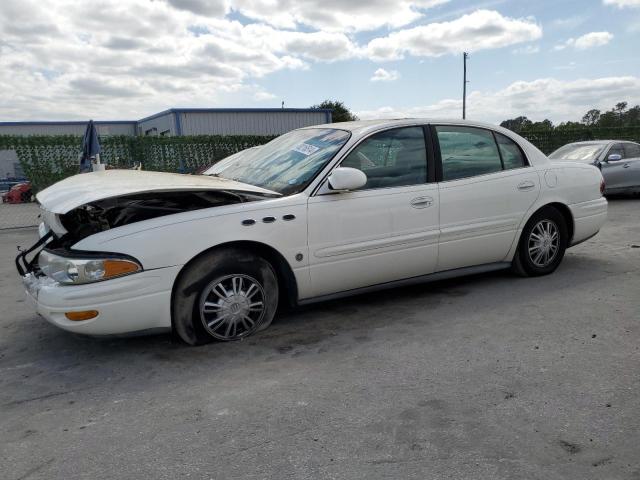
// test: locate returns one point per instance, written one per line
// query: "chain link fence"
(45, 160)
(552, 139)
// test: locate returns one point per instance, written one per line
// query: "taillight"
(602, 185)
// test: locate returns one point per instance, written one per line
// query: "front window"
(393, 158)
(585, 152)
(286, 164)
(631, 150)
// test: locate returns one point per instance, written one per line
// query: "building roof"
(169, 111)
(234, 110)
(70, 122)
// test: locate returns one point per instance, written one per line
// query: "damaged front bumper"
(124, 305)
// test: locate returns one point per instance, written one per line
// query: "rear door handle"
(524, 186)
(422, 202)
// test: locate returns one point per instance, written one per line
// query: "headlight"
(69, 270)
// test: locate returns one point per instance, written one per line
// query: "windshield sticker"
(305, 149)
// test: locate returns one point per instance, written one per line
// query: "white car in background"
(317, 213)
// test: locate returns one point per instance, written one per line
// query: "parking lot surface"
(487, 377)
(18, 215)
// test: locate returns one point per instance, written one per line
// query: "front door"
(624, 174)
(385, 231)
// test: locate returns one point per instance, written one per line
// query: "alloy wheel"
(232, 307)
(544, 243)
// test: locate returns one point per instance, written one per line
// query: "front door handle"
(422, 202)
(626, 165)
(524, 186)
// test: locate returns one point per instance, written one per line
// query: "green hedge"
(48, 159)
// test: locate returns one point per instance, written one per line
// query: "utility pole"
(465, 55)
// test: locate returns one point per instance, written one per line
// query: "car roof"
(364, 126)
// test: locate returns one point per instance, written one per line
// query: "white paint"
(90, 187)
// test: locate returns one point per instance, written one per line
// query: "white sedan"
(320, 212)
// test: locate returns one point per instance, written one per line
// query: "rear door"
(486, 187)
(385, 231)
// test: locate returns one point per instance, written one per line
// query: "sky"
(126, 59)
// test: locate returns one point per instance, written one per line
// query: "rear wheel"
(542, 244)
(224, 295)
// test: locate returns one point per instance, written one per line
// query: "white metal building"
(186, 121)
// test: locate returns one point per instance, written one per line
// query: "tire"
(224, 295)
(536, 254)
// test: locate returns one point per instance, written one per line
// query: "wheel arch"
(287, 284)
(568, 218)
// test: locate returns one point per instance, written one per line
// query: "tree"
(632, 117)
(620, 108)
(517, 124)
(340, 113)
(546, 124)
(591, 117)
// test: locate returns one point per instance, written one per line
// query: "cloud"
(569, 22)
(382, 75)
(527, 50)
(63, 60)
(335, 15)
(558, 100)
(139, 56)
(124, 43)
(623, 3)
(588, 40)
(480, 30)
(201, 7)
(95, 86)
(262, 96)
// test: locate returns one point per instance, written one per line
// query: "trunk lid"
(85, 188)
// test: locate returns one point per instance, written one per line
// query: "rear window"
(467, 152)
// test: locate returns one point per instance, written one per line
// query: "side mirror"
(614, 157)
(347, 178)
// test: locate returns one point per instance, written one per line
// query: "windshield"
(578, 152)
(286, 164)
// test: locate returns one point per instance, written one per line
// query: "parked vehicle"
(320, 212)
(19, 193)
(618, 160)
(7, 183)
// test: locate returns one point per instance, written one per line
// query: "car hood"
(85, 188)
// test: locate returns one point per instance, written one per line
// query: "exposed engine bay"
(115, 212)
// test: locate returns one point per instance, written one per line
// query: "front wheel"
(542, 244)
(224, 295)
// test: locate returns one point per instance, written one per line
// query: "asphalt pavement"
(486, 377)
